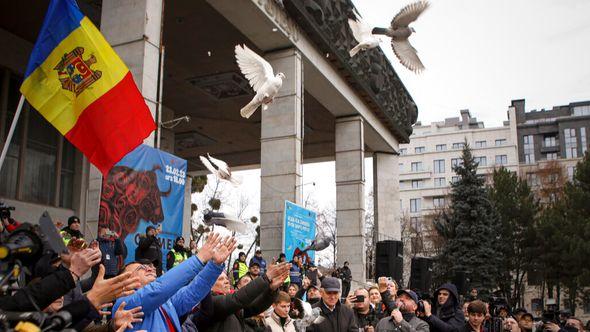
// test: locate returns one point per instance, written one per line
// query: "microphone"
(34, 317)
(22, 244)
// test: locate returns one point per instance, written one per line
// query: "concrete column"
(133, 28)
(350, 195)
(386, 196)
(280, 151)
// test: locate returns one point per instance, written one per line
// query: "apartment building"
(426, 163)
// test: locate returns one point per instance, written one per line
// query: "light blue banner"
(145, 188)
(299, 230)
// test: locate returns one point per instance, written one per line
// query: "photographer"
(111, 249)
(445, 315)
(7, 224)
(149, 248)
(365, 314)
(404, 317)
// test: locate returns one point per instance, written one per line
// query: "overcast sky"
(479, 55)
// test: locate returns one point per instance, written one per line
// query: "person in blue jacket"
(174, 294)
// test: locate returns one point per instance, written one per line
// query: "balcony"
(549, 148)
(419, 175)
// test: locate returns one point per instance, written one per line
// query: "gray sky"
(479, 54)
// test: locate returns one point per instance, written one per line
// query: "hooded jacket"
(448, 317)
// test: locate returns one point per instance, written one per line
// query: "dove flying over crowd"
(400, 31)
(363, 34)
(261, 77)
(226, 220)
(220, 169)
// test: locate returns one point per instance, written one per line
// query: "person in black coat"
(336, 317)
(149, 248)
(445, 315)
(226, 312)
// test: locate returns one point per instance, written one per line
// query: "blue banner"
(145, 188)
(299, 231)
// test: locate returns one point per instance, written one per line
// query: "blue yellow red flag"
(80, 85)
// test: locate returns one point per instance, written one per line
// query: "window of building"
(570, 172)
(501, 159)
(438, 202)
(536, 305)
(401, 167)
(460, 145)
(439, 182)
(500, 142)
(532, 179)
(417, 166)
(571, 143)
(481, 161)
(415, 204)
(39, 166)
(549, 141)
(480, 144)
(403, 151)
(582, 110)
(454, 179)
(417, 184)
(583, 142)
(551, 156)
(441, 147)
(456, 162)
(439, 166)
(529, 149)
(419, 149)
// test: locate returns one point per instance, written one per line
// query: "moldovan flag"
(81, 86)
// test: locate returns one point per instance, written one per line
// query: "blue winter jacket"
(172, 292)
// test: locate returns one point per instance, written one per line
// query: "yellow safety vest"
(66, 237)
(178, 257)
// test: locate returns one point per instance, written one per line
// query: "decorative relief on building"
(369, 72)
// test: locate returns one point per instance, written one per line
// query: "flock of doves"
(266, 84)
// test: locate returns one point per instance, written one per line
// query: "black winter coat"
(226, 313)
(449, 317)
(342, 319)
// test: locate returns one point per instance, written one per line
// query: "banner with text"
(298, 231)
(145, 188)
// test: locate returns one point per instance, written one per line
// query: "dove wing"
(408, 14)
(407, 55)
(222, 165)
(253, 66)
(208, 165)
(360, 30)
(232, 225)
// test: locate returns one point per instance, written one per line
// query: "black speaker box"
(389, 260)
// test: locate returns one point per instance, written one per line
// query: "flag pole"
(11, 131)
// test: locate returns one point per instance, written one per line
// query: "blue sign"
(145, 188)
(299, 231)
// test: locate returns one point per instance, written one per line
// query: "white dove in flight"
(228, 221)
(363, 35)
(399, 31)
(220, 169)
(261, 77)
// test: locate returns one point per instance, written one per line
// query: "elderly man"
(404, 317)
(174, 294)
(334, 316)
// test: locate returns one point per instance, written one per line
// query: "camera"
(5, 210)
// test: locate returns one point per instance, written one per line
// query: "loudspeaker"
(389, 260)
(460, 280)
(421, 274)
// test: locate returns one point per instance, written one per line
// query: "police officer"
(177, 254)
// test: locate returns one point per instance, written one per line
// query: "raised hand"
(209, 247)
(104, 291)
(225, 248)
(382, 282)
(124, 319)
(82, 261)
(278, 281)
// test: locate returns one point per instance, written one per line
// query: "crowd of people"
(195, 293)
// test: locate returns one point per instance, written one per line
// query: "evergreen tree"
(471, 229)
(517, 210)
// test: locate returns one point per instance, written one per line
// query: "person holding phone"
(366, 316)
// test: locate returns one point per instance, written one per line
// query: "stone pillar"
(132, 27)
(280, 151)
(386, 196)
(350, 195)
